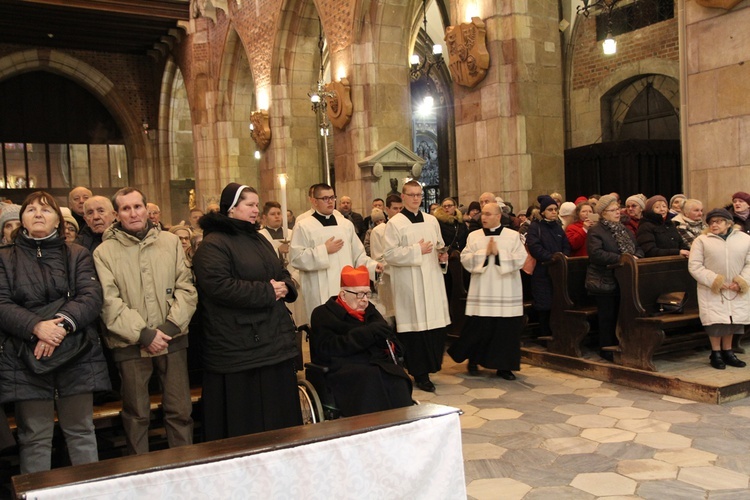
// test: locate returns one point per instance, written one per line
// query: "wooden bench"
(643, 333)
(572, 307)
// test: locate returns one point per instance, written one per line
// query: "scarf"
(743, 215)
(620, 233)
(360, 315)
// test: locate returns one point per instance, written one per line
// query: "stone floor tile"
(722, 445)
(488, 489)
(554, 389)
(469, 436)
(647, 469)
(586, 462)
(445, 379)
(607, 435)
(451, 399)
(488, 468)
(737, 463)
(670, 489)
(643, 425)
(713, 478)
(663, 440)
(471, 422)
(530, 407)
(488, 393)
(625, 450)
(556, 430)
(519, 440)
(583, 383)
(541, 476)
(591, 421)
(498, 414)
(449, 389)
(569, 445)
(468, 409)
(676, 416)
(726, 421)
(680, 401)
(422, 395)
(625, 412)
(546, 417)
(698, 429)
(604, 484)
(598, 392)
(503, 427)
(480, 451)
(563, 399)
(688, 457)
(609, 401)
(656, 405)
(532, 381)
(558, 493)
(578, 409)
(530, 457)
(742, 411)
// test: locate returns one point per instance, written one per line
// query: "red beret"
(355, 277)
(580, 199)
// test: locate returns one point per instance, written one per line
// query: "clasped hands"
(50, 334)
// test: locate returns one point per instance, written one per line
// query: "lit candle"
(284, 221)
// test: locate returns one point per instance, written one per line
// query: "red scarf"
(360, 315)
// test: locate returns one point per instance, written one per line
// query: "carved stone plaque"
(468, 52)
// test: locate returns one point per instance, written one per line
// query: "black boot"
(716, 360)
(732, 360)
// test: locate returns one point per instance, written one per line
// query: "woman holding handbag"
(51, 355)
(606, 242)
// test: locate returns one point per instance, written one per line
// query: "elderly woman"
(689, 222)
(634, 207)
(71, 225)
(185, 234)
(675, 205)
(452, 228)
(741, 210)
(352, 339)
(607, 241)
(248, 343)
(657, 236)
(577, 232)
(10, 220)
(720, 263)
(49, 295)
(544, 238)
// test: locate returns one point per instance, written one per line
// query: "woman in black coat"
(606, 242)
(544, 238)
(351, 338)
(657, 236)
(48, 293)
(248, 344)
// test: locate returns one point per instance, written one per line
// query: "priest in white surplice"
(412, 239)
(491, 336)
(322, 244)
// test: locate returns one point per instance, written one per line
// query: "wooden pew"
(572, 307)
(641, 332)
(101, 475)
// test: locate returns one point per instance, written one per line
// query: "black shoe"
(473, 369)
(506, 374)
(731, 359)
(608, 355)
(426, 386)
(716, 360)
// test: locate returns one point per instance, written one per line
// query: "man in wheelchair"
(361, 351)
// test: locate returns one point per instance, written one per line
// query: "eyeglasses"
(716, 221)
(360, 295)
(611, 210)
(326, 199)
(448, 206)
(412, 195)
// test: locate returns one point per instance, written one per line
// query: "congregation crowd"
(98, 297)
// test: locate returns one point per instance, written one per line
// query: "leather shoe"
(731, 359)
(426, 386)
(716, 360)
(473, 369)
(506, 374)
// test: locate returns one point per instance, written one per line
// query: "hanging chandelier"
(420, 66)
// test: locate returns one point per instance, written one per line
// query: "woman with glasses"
(657, 235)
(720, 263)
(351, 338)
(606, 242)
(544, 238)
(452, 225)
(248, 344)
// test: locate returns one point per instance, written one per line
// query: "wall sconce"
(260, 129)
(468, 52)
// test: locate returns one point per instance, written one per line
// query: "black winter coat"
(543, 239)
(603, 250)
(244, 326)
(744, 224)
(33, 274)
(362, 374)
(659, 238)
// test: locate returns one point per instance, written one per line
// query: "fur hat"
(604, 202)
(652, 201)
(545, 200)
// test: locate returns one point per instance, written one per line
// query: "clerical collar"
(326, 220)
(413, 217)
(276, 234)
(494, 231)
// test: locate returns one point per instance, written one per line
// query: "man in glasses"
(352, 339)
(322, 244)
(413, 249)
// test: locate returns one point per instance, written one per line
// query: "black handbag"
(72, 347)
(671, 303)
(599, 281)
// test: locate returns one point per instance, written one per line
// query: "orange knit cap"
(355, 277)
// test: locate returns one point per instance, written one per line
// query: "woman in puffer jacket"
(720, 263)
(48, 292)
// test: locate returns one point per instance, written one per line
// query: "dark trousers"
(608, 307)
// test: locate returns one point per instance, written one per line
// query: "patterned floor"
(550, 434)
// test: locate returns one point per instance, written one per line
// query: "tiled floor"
(553, 435)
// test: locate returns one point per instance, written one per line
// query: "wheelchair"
(316, 400)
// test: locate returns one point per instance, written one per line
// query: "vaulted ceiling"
(122, 26)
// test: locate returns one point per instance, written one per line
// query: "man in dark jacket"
(351, 337)
(99, 214)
